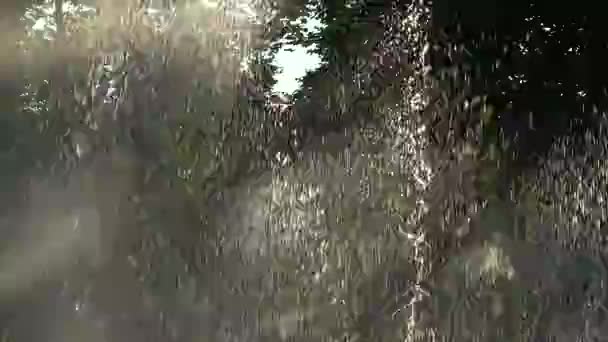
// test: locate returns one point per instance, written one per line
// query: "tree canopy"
(438, 177)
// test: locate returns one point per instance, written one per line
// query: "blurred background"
(302, 170)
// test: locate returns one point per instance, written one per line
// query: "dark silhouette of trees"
(539, 66)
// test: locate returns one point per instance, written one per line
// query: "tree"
(392, 217)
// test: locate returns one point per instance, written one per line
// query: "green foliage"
(343, 240)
